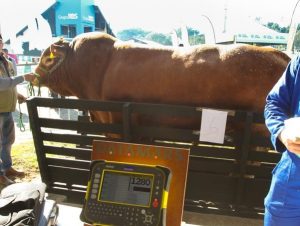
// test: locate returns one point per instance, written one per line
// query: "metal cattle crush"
(232, 178)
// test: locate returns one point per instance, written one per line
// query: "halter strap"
(48, 72)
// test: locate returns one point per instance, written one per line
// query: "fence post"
(37, 137)
(245, 145)
(127, 122)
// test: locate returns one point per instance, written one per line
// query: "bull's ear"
(58, 49)
(60, 41)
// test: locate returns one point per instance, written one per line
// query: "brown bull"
(98, 66)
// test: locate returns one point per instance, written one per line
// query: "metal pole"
(212, 27)
(292, 31)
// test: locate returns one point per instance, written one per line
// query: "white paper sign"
(213, 125)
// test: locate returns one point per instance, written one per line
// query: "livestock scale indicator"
(125, 194)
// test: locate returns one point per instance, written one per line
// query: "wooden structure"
(232, 178)
(175, 159)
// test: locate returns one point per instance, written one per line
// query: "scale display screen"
(126, 188)
(126, 194)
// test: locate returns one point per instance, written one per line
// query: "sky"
(14, 13)
(163, 15)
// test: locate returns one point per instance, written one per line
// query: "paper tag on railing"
(213, 125)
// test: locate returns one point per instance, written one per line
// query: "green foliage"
(197, 40)
(276, 27)
(195, 37)
(297, 40)
(159, 38)
(128, 34)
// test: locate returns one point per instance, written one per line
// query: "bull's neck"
(71, 81)
(59, 81)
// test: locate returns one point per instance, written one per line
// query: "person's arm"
(279, 104)
(6, 83)
(21, 98)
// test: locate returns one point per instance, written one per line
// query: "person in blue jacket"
(282, 203)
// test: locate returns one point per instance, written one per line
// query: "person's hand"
(29, 77)
(290, 140)
(21, 98)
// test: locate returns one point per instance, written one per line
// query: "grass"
(24, 158)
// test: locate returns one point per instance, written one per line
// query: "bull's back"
(213, 76)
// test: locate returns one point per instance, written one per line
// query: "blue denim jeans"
(7, 138)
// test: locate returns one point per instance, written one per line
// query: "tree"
(159, 38)
(195, 36)
(128, 34)
(297, 39)
(276, 27)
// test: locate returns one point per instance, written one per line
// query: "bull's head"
(50, 60)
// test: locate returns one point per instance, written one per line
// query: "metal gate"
(232, 178)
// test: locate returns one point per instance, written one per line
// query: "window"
(87, 29)
(68, 31)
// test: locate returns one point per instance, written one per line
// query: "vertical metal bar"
(127, 136)
(32, 105)
(245, 145)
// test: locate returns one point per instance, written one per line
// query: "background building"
(70, 18)
(253, 33)
(58, 18)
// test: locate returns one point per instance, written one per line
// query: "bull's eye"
(49, 60)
